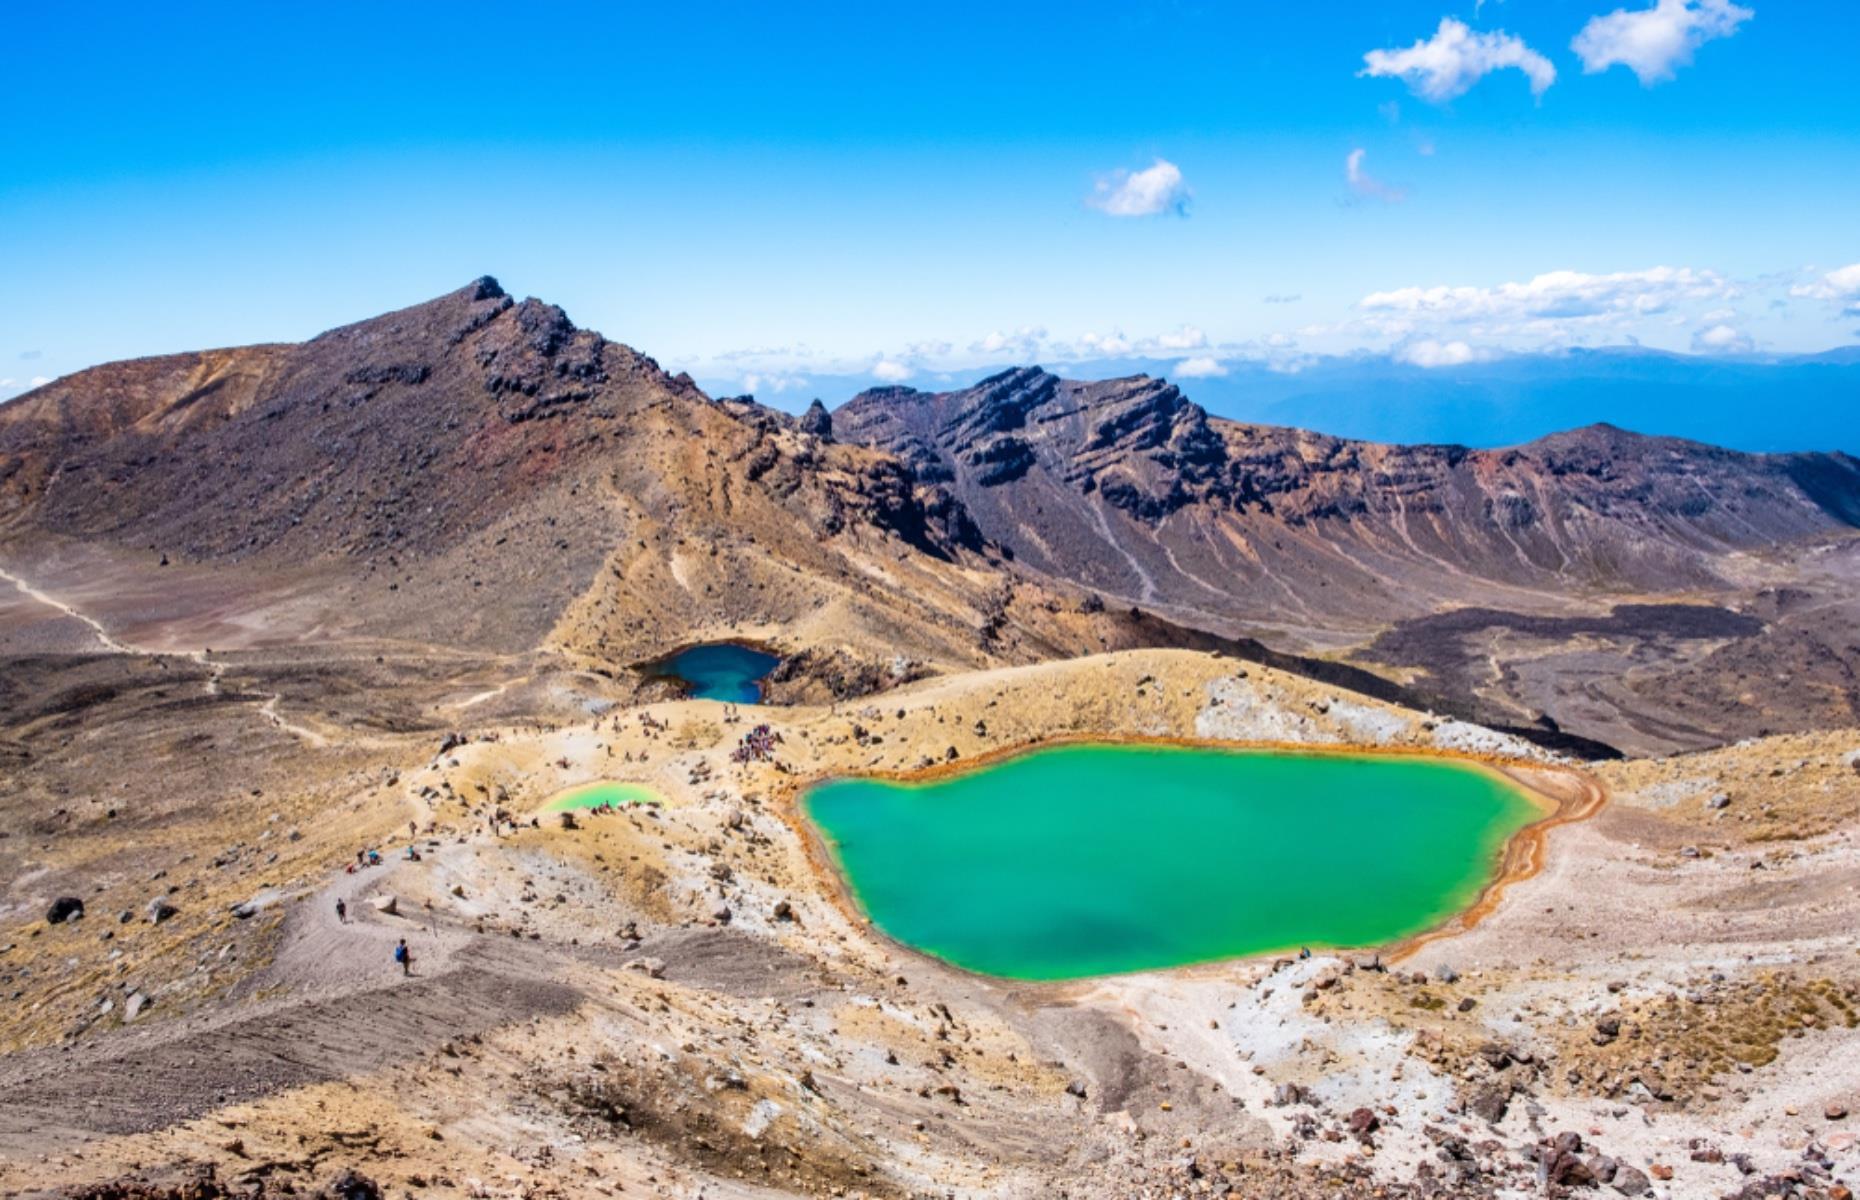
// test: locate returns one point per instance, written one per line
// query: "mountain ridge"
(480, 471)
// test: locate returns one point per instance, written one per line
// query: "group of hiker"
(758, 745)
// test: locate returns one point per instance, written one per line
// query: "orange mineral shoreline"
(1564, 794)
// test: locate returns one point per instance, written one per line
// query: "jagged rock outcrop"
(1126, 485)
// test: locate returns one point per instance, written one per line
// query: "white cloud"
(891, 371)
(1185, 338)
(1200, 367)
(1722, 339)
(1654, 42)
(1364, 184)
(1429, 353)
(1153, 191)
(41, 380)
(1022, 344)
(1449, 63)
(777, 383)
(1109, 344)
(7, 383)
(1841, 285)
(1557, 296)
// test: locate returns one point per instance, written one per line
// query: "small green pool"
(1091, 860)
(593, 795)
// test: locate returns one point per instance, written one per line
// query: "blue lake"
(721, 671)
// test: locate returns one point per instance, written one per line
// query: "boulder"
(135, 1006)
(352, 1185)
(1489, 1103)
(1631, 1181)
(65, 908)
(387, 905)
(159, 910)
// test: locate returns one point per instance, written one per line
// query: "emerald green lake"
(1091, 860)
(594, 795)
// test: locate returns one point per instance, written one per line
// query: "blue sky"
(767, 195)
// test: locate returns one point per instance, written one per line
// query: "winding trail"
(216, 671)
(96, 626)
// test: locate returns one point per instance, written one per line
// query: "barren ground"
(672, 1001)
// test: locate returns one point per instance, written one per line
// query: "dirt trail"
(333, 1004)
(216, 671)
(96, 626)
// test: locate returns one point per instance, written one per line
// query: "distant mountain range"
(479, 472)
(1127, 485)
(1770, 404)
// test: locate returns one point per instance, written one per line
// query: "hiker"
(342, 911)
(374, 858)
(1304, 952)
(404, 957)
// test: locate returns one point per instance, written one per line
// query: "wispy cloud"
(1022, 345)
(1156, 190)
(755, 383)
(1186, 338)
(1655, 42)
(1447, 65)
(1840, 287)
(891, 371)
(1364, 184)
(1281, 298)
(1431, 353)
(1557, 295)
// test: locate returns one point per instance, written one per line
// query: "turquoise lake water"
(1089, 860)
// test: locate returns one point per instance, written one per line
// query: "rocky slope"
(478, 472)
(1127, 486)
(1128, 483)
